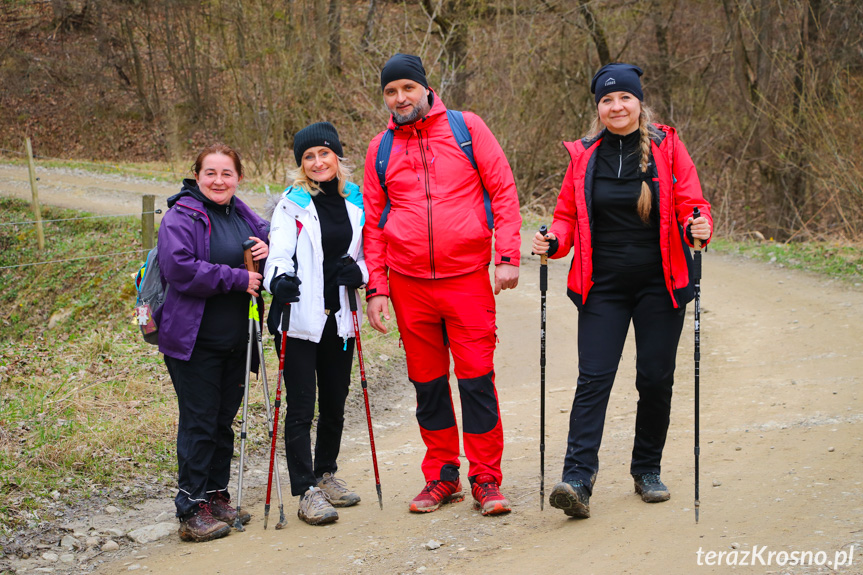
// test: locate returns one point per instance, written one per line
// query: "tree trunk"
(661, 71)
(452, 30)
(334, 22)
(596, 33)
(369, 28)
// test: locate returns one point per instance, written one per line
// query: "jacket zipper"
(672, 221)
(428, 203)
(620, 164)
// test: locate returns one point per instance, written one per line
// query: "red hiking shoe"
(220, 508)
(489, 499)
(435, 493)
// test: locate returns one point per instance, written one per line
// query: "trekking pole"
(286, 315)
(253, 313)
(352, 300)
(543, 287)
(697, 261)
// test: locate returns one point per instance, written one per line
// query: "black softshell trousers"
(209, 390)
(615, 299)
(324, 367)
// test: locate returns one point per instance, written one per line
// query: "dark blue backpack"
(461, 135)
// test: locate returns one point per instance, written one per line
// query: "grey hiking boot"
(337, 492)
(572, 497)
(202, 526)
(650, 487)
(315, 509)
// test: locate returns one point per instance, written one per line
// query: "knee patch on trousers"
(434, 404)
(478, 404)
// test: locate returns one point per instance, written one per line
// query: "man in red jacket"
(427, 244)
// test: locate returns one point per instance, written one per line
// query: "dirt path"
(100, 194)
(781, 433)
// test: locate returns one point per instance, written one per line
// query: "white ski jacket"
(295, 246)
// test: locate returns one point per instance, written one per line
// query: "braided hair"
(645, 199)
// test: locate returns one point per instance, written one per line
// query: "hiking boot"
(651, 488)
(202, 526)
(336, 491)
(572, 497)
(221, 509)
(435, 493)
(487, 496)
(315, 509)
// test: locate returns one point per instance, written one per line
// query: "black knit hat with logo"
(617, 77)
(404, 67)
(318, 134)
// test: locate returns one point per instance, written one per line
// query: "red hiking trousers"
(437, 317)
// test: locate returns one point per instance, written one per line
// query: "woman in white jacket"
(318, 220)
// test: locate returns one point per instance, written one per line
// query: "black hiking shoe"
(572, 497)
(650, 487)
(202, 526)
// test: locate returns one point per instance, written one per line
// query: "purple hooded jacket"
(184, 253)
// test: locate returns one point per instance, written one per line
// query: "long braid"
(645, 199)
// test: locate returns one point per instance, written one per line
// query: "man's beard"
(420, 109)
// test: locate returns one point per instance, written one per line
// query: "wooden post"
(37, 209)
(148, 222)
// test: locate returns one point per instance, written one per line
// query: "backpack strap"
(381, 162)
(462, 135)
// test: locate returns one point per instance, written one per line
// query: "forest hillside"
(764, 93)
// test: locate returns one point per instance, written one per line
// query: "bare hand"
(376, 306)
(540, 243)
(505, 277)
(255, 280)
(260, 250)
(700, 228)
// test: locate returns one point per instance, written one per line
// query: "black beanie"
(404, 67)
(318, 134)
(617, 77)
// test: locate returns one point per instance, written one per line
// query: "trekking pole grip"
(251, 265)
(543, 262)
(696, 213)
(352, 294)
(286, 312)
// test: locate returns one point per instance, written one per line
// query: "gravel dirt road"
(781, 436)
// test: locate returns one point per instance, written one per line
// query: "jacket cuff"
(499, 259)
(241, 279)
(373, 291)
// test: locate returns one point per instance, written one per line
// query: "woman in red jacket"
(626, 208)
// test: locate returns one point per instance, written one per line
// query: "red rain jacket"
(679, 193)
(437, 227)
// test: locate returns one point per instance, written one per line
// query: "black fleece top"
(621, 241)
(336, 232)
(225, 323)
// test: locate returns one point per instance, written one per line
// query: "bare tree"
(451, 25)
(334, 22)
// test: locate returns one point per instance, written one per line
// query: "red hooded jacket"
(679, 193)
(437, 227)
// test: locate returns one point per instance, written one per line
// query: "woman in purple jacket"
(203, 327)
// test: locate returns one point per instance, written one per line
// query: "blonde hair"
(645, 119)
(298, 178)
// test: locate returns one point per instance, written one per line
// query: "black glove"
(553, 246)
(285, 290)
(350, 276)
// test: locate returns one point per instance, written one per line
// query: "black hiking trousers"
(615, 299)
(324, 367)
(209, 390)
